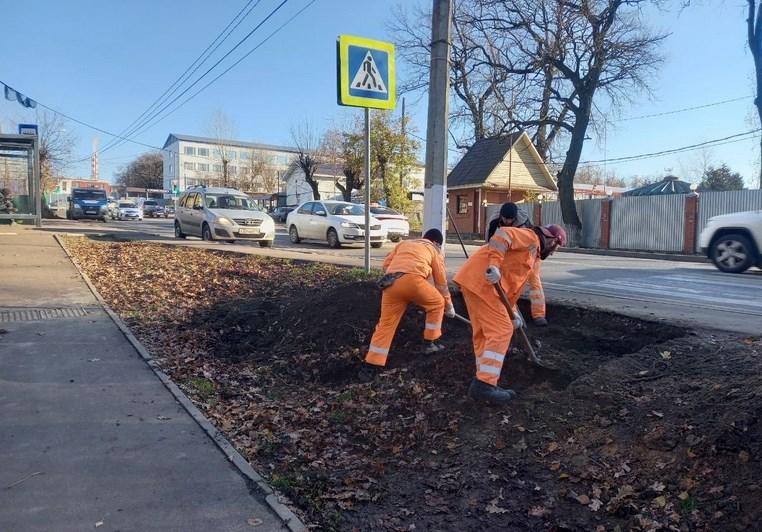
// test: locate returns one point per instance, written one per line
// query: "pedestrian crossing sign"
(366, 73)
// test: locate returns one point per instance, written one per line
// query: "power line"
(261, 43)
(197, 63)
(147, 122)
(683, 110)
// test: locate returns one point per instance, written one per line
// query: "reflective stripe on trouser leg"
(426, 296)
(536, 293)
(393, 304)
(492, 331)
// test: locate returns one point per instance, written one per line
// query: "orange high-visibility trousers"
(492, 331)
(409, 288)
(536, 293)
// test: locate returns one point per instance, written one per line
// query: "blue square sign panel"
(366, 73)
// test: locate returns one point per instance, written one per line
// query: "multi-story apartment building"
(249, 166)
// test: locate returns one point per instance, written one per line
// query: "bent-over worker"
(408, 269)
(508, 259)
(511, 216)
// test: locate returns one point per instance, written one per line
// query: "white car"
(128, 210)
(217, 213)
(336, 222)
(733, 241)
(396, 224)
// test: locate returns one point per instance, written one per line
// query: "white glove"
(518, 322)
(492, 275)
(450, 311)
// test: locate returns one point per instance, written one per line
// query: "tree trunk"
(569, 169)
(310, 179)
(753, 23)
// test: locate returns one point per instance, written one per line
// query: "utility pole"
(367, 190)
(435, 191)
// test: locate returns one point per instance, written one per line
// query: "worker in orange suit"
(409, 269)
(508, 259)
(511, 216)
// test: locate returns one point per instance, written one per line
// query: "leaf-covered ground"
(644, 426)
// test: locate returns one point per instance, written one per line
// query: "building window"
(245, 156)
(217, 168)
(203, 152)
(462, 204)
(202, 167)
(282, 159)
(232, 170)
(189, 150)
(188, 166)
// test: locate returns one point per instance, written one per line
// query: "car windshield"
(126, 205)
(383, 210)
(229, 201)
(149, 202)
(345, 209)
(89, 195)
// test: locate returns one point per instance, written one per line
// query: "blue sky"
(105, 62)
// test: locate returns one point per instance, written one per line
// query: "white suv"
(733, 241)
(222, 214)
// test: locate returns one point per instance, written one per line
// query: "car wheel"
(293, 235)
(376, 244)
(265, 243)
(333, 238)
(178, 230)
(732, 253)
(395, 238)
(206, 233)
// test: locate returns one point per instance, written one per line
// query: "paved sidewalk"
(90, 437)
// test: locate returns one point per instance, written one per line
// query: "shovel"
(463, 319)
(532, 354)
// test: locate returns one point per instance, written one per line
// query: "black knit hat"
(509, 210)
(435, 235)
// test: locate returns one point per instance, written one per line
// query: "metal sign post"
(366, 78)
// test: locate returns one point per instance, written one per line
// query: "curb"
(289, 518)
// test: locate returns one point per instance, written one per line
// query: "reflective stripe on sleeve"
(377, 349)
(502, 234)
(433, 327)
(496, 244)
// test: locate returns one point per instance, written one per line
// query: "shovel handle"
(512, 315)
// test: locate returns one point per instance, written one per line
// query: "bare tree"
(544, 66)
(56, 147)
(146, 171)
(308, 157)
(262, 176)
(754, 30)
(222, 129)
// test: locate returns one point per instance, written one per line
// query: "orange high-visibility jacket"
(420, 257)
(513, 250)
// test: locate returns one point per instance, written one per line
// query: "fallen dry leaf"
(583, 499)
(538, 511)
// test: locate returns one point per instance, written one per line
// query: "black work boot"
(540, 322)
(432, 346)
(368, 372)
(481, 391)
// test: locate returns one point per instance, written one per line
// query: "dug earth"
(642, 426)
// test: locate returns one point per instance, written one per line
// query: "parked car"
(396, 224)
(169, 210)
(228, 214)
(129, 210)
(87, 203)
(733, 241)
(280, 214)
(153, 209)
(336, 222)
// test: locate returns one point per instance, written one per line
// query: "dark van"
(87, 203)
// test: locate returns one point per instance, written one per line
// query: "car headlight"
(224, 221)
(349, 225)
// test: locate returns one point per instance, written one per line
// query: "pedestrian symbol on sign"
(368, 77)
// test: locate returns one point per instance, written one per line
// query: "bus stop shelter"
(20, 178)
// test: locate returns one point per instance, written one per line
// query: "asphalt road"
(689, 293)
